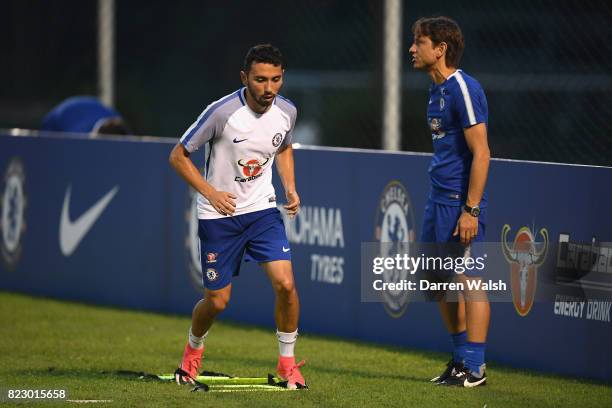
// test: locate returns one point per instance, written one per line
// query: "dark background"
(545, 66)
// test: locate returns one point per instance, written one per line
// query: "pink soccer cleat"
(290, 372)
(188, 371)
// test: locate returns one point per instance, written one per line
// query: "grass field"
(46, 344)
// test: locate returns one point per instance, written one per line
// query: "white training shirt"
(241, 149)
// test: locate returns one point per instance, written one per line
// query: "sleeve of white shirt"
(202, 130)
(290, 109)
(211, 122)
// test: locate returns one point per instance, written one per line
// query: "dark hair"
(263, 53)
(113, 126)
(442, 29)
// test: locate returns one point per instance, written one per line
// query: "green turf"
(46, 344)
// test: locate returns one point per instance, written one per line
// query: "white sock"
(286, 343)
(196, 342)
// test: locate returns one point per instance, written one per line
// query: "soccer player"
(246, 131)
(456, 209)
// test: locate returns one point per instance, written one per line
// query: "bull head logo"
(524, 260)
(251, 168)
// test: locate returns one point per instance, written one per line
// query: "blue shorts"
(258, 236)
(440, 220)
(439, 223)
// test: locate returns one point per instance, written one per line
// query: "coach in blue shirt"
(457, 115)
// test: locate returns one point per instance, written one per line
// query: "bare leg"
(287, 305)
(453, 315)
(207, 309)
(478, 314)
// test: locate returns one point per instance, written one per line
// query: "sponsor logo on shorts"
(251, 169)
(212, 274)
(211, 257)
(277, 139)
(13, 203)
(395, 230)
(524, 259)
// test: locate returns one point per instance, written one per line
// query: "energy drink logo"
(524, 259)
(251, 169)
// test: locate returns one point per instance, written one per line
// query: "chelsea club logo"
(12, 209)
(395, 231)
(212, 274)
(277, 139)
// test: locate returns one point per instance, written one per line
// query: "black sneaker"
(467, 379)
(452, 369)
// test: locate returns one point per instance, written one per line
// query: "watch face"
(475, 211)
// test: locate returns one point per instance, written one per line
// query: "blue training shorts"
(258, 236)
(439, 222)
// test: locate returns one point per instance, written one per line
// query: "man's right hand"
(222, 201)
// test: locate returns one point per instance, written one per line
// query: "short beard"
(259, 102)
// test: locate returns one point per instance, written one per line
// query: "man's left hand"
(467, 228)
(293, 203)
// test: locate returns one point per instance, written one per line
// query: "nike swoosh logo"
(238, 141)
(468, 384)
(71, 233)
(286, 249)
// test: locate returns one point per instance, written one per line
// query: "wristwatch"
(473, 211)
